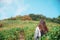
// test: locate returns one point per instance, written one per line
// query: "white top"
(37, 32)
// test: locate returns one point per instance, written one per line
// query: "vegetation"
(26, 17)
(38, 17)
(56, 20)
(1, 25)
(53, 34)
(35, 17)
(10, 34)
(13, 32)
(10, 28)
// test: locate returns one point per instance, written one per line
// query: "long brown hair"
(42, 26)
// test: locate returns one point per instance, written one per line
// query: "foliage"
(36, 17)
(54, 34)
(10, 34)
(26, 17)
(56, 20)
(1, 25)
(29, 28)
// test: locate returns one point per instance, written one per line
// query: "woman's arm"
(36, 32)
(39, 33)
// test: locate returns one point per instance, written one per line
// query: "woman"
(41, 29)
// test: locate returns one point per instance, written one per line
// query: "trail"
(22, 36)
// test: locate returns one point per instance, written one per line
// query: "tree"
(56, 20)
(36, 16)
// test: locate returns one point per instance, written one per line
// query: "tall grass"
(13, 28)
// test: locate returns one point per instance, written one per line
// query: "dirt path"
(22, 35)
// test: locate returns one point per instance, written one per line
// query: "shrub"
(11, 34)
(54, 34)
(26, 17)
(1, 25)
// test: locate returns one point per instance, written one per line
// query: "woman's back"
(43, 25)
(41, 29)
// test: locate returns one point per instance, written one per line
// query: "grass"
(27, 26)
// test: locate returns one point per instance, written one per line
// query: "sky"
(12, 8)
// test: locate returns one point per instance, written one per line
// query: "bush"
(54, 34)
(26, 18)
(36, 17)
(12, 34)
(1, 25)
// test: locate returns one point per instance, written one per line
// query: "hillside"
(27, 26)
(21, 24)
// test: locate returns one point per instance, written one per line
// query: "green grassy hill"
(10, 29)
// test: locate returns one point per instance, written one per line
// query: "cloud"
(21, 9)
(7, 2)
(12, 8)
